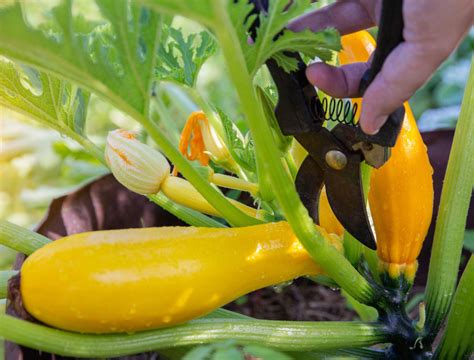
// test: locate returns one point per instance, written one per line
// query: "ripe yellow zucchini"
(136, 279)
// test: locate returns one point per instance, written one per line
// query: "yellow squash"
(401, 201)
(401, 191)
(136, 279)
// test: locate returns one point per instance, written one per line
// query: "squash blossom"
(135, 165)
(200, 141)
(146, 171)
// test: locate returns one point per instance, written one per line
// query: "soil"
(303, 300)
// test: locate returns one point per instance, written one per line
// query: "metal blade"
(309, 183)
(345, 195)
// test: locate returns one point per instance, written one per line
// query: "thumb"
(405, 70)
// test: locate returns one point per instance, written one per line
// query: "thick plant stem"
(20, 239)
(458, 339)
(333, 262)
(451, 222)
(189, 216)
(284, 335)
(4, 277)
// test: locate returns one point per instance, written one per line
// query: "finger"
(335, 81)
(405, 70)
(346, 16)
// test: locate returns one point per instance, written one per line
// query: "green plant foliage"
(182, 57)
(272, 39)
(230, 350)
(240, 146)
(114, 59)
(50, 101)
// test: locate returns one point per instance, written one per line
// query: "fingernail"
(373, 127)
(377, 124)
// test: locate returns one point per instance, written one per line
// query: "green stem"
(290, 162)
(284, 335)
(165, 118)
(20, 239)
(458, 339)
(365, 312)
(189, 216)
(226, 314)
(4, 277)
(333, 262)
(452, 214)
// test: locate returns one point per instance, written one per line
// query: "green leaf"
(265, 353)
(116, 59)
(469, 240)
(241, 147)
(202, 352)
(48, 100)
(181, 58)
(200, 11)
(272, 37)
(231, 353)
(267, 99)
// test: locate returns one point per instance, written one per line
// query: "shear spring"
(339, 110)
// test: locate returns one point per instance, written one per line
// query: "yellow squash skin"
(137, 279)
(327, 218)
(401, 201)
(401, 191)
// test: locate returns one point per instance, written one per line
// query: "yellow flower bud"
(135, 165)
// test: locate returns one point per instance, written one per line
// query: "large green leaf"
(116, 59)
(45, 98)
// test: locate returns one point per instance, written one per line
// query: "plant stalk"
(452, 214)
(284, 335)
(20, 239)
(458, 339)
(189, 216)
(334, 263)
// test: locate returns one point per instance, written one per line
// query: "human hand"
(433, 29)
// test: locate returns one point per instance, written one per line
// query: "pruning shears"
(334, 156)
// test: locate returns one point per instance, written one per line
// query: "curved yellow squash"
(401, 191)
(136, 279)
